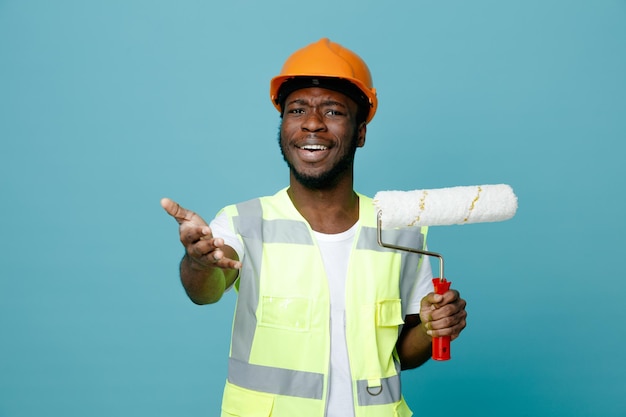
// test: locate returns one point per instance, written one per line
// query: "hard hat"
(322, 64)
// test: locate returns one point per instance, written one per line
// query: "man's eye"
(296, 111)
(333, 112)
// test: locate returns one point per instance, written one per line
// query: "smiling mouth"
(313, 148)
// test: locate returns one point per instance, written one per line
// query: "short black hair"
(331, 83)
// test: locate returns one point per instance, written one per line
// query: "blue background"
(105, 107)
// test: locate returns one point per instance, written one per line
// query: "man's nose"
(313, 122)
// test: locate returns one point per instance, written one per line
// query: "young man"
(325, 317)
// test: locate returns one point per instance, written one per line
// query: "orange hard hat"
(324, 62)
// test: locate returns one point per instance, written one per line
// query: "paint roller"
(441, 207)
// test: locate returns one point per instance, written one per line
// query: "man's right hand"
(203, 250)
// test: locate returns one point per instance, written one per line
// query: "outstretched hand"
(204, 250)
(443, 314)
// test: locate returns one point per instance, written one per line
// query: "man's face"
(319, 136)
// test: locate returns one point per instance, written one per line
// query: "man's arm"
(414, 345)
(209, 266)
(205, 284)
(440, 315)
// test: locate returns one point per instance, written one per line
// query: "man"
(325, 317)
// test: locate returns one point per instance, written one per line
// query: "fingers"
(447, 326)
(443, 314)
(171, 207)
(180, 213)
(191, 234)
(225, 263)
(223, 256)
(210, 252)
(203, 250)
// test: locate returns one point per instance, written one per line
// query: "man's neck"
(329, 211)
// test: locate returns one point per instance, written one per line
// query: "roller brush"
(442, 207)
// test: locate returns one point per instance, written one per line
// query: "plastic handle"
(441, 344)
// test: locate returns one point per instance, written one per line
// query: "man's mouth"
(313, 148)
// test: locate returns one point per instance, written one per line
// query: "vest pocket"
(290, 313)
(389, 313)
(240, 402)
(388, 318)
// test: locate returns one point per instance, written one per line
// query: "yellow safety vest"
(280, 348)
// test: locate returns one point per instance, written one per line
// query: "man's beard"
(327, 179)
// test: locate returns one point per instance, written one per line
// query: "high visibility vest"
(280, 347)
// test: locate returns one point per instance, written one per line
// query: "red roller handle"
(441, 344)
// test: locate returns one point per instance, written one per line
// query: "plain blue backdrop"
(107, 106)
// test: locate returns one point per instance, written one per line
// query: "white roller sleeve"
(446, 206)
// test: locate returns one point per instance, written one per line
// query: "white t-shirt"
(335, 251)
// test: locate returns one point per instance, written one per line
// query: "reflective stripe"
(302, 384)
(401, 237)
(390, 391)
(255, 231)
(250, 224)
(247, 224)
(286, 231)
(274, 231)
(410, 261)
(277, 381)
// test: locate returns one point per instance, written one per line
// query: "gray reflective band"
(276, 380)
(413, 238)
(248, 223)
(270, 231)
(286, 231)
(255, 231)
(387, 393)
(302, 384)
(401, 237)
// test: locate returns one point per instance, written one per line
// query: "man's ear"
(361, 131)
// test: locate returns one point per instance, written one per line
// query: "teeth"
(314, 147)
